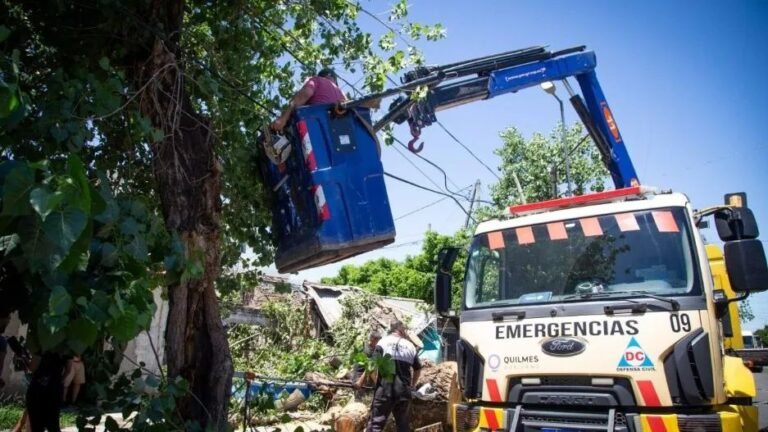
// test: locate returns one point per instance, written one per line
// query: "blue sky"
(686, 81)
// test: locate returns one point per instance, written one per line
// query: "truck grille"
(571, 391)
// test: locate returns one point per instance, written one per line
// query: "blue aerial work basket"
(329, 200)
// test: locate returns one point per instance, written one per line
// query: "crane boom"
(501, 74)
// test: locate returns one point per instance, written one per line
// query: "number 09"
(680, 322)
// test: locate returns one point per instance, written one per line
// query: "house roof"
(328, 301)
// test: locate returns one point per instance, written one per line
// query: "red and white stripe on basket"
(322, 206)
(306, 146)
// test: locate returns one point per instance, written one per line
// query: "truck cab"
(600, 312)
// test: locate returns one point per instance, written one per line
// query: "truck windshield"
(616, 254)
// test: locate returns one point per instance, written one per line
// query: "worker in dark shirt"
(44, 394)
(393, 395)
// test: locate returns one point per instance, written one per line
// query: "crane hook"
(415, 133)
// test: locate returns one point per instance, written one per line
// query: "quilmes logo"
(494, 361)
(563, 347)
(634, 358)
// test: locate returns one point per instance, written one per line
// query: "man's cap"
(327, 72)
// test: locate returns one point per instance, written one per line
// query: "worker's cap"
(327, 73)
(396, 325)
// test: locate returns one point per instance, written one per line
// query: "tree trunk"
(353, 417)
(187, 175)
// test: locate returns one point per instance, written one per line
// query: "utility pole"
(472, 203)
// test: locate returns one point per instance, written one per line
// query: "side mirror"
(736, 223)
(445, 259)
(443, 293)
(746, 265)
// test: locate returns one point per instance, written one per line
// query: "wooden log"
(353, 418)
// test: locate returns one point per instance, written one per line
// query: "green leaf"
(137, 248)
(125, 327)
(59, 134)
(129, 227)
(18, 184)
(4, 33)
(63, 228)
(108, 255)
(47, 339)
(60, 301)
(40, 251)
(104, 63)
(79, 254)
(81, 334)
(76, 170)
(9, 99)
(44, 201)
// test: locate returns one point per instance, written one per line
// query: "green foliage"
(413, 277)
(10, 413)
(745, 311)
(64, 222)
(283, 349)
(534, 161)
(762, 334)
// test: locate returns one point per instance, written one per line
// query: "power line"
(413, 164)
(400, 245)
(425, 206)
(429, 190)
(468, 150)
(446, 179)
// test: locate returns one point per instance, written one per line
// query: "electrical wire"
(446, 179)
(400, 245)
(413, 164)
(468, 150)
(416, 185)
(412, 212)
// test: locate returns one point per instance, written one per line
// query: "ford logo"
(563, 347)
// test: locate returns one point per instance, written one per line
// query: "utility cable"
(446, 179)
(413, 164)
(468, 150)
(416, 185)
(412, 212)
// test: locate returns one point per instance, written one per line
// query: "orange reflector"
(524, 235)
(665, 222)
(495, 240)
(557, 231)
(590, 227)
(592, 198)
(627, 222)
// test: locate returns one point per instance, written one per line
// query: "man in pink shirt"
(320, 89)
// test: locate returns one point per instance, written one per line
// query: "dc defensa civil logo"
(634, 358)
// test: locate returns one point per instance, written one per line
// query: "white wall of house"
(138, 350)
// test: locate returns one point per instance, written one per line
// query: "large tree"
(539, 166)
(162, 101)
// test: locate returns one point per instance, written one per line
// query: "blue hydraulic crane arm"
(508, 73)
